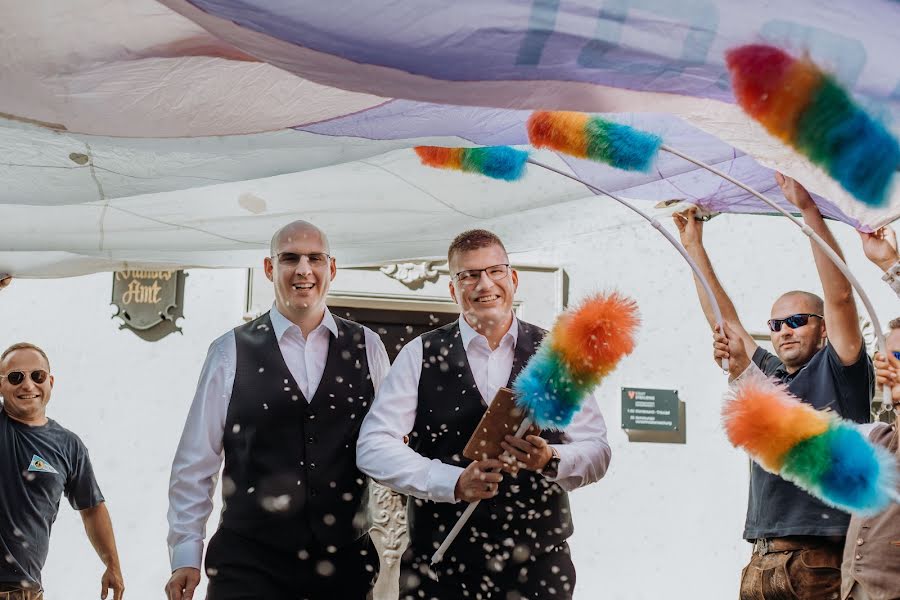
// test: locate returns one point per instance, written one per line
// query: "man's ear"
(453, 291)
(268, 268)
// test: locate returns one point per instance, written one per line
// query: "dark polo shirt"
(38, 465)
(777, 507)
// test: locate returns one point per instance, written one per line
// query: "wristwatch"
(551, 469)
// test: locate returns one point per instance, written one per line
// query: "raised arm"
(691, 231)
(881, 248)
(99, 530)
(841, 316)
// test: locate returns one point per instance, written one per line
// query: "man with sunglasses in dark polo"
(280, 402)
(820, 355)
(41, 461)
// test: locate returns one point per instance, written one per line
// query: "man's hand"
(182, 583)
(5, 280)
(532, 453)
(795, 193)
(112, 580)
(689, 228)
(888, 373)
(881, 247)
(479, 481)
(728, 344)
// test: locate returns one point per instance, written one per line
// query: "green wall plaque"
(650, 415)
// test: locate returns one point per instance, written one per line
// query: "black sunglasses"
(17, 377)
(793, 321)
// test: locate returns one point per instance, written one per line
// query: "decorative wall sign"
(149, 302)
(650, 415)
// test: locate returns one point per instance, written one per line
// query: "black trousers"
(240, 568)
(498, 574)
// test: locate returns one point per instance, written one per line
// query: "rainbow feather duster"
(496, 162)
(588, 136)
(806, 108)
(586, 343)
(817, 451)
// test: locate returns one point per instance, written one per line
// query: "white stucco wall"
(665, 522)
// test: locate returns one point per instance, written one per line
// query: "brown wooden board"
(501, 418)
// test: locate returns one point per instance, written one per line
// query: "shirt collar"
(468, 333)
(282, 324)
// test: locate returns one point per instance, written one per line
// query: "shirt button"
(859, 542)
(312, 465)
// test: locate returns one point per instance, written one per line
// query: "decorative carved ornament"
(387, 513)
(412, 275)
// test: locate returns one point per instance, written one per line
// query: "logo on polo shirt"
(39, 465)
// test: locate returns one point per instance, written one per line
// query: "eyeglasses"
(793, 321)
(896, 354)
(17, 377)
(471, 277)
(292, 259)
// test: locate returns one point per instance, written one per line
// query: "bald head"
(298, 231)
(810, 303)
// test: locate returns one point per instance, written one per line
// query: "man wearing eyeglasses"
(280, 400)
(514, 545)
(41, 461)
(819, 354)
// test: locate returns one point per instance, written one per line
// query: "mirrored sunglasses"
(793, 321)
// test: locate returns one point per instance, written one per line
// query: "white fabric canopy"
(132, 137)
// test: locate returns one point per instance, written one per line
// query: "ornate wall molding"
(413, 275)
(387, 513)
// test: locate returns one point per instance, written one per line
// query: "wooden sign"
(149, 302)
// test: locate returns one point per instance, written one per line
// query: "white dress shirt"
(199, 457)
(382, 454)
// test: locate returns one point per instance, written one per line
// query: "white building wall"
(665, 522)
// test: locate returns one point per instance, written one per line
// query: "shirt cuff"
(752, 370)
(186, 554)
(567, 463)
(442, 480)
(892, 277)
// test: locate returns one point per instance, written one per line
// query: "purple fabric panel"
(670, 178)
(469, 40)
(645, 45)
(405, 119)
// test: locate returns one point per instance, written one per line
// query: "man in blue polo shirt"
(39, 462)
(819, 354)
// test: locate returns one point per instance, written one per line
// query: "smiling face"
(28, 400)
(485, 303)
(795, 347)
(300, 268)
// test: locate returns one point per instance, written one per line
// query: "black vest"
(529, 510)
(290, 473)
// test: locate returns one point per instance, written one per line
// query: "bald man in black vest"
(280, 400)
(514, 546)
